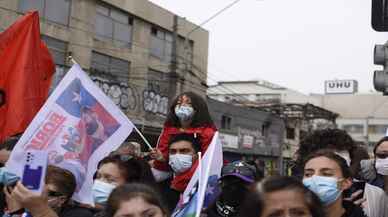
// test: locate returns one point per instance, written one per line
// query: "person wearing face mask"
(235, 179)
(328, 176)
(189, 114)
(183, 160)
(340, 142)
(381, 164)
(116, 170)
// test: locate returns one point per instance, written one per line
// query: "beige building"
(127, 46)
(363, 115)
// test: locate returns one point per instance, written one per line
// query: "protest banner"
(78, 126)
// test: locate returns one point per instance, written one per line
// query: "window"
(57, 11)
(157, 81)
(353, 128)
(226, 122)
(114, 25)
(58, 50)
(161, 44)
(106, 65)
(290, 133)
(377, 129)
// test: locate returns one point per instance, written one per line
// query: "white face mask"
(382, 166)
(180, 162)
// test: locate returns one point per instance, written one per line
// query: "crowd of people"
(332, 177)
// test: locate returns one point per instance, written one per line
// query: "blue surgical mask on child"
(101, 191)
(184, 112)
(326, 188)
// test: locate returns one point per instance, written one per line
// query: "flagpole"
(199, 207)
(72, 60)
(144, 139)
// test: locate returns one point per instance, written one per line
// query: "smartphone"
(358, 185)
(34, 172)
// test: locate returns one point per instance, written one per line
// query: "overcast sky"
(294, 43)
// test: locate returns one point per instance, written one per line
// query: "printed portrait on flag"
(94, 125)
(78, 126)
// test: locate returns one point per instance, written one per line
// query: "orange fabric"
(25, 74)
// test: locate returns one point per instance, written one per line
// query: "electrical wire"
(138, 44)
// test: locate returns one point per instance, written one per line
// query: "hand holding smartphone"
(34, 172)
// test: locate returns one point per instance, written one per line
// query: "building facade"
(363, 115)
(249, 134)
(298, 111)
(140, 54)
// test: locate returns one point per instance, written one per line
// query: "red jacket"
(206, 134)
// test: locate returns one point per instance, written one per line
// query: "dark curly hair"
(201, 116)
(255, 201)
(324, 139)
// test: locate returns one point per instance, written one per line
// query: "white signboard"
(229, 141)
(247, 141)
(341, 86)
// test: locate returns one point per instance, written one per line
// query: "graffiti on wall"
(155, 103)
(123, 95)
(155, 97)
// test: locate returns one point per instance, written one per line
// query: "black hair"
(324, 139)
(131, 191)
(357, 155)
(133, 170)
(384, 139)
(255, 200)
(201, 116)
(192, 138)
(346, 173)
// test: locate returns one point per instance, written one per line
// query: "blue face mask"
(184, 112)
(101, 191)
(326, 188)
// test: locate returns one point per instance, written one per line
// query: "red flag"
(26, 69)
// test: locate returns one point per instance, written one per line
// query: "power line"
(213, 16)
(134, 43)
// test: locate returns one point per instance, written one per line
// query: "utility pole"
(174, 76)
